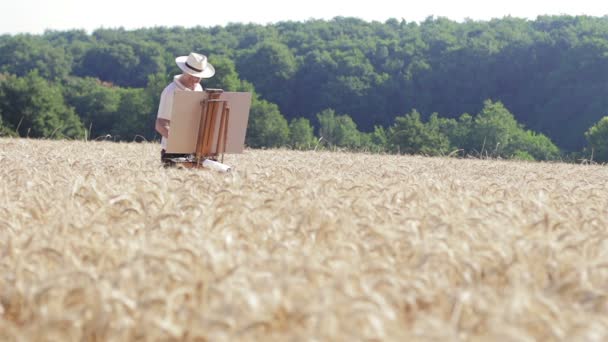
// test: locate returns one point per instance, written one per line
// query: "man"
(194, 68)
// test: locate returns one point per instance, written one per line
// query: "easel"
(207, 125)
(207, 139)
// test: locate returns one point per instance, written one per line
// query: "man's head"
(196, 66)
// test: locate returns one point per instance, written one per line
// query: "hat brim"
(208, 72)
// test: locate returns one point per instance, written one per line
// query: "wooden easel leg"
(201, 128)
(226, 120)
(222, 132)
(210, 133)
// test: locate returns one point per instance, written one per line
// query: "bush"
(522, 155)
(36, 108)
(5, 131)
(338, 130)
(597, 140)
(496, 133)
(537, 145)
(410, 135)
(301, 134)
(267, 127)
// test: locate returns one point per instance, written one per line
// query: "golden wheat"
(98, 242)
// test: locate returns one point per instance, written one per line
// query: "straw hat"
(196, 65)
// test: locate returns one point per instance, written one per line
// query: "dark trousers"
(165, 158)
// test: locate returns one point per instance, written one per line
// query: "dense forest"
(531, 89)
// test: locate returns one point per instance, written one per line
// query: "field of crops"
(99, 242)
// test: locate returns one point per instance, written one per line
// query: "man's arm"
(162, 127)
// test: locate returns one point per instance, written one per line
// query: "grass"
(98, 242)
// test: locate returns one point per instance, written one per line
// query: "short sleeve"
(166, 104)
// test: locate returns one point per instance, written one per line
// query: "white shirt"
(165, 107)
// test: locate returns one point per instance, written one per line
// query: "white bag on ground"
(216, 165)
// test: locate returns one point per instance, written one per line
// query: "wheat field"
(98, 242)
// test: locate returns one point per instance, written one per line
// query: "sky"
(36, 16)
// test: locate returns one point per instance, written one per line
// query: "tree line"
(511, 88)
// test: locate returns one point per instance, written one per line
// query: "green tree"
(494, 129)
(597, 140)
(538, 146)
(496, 133)
(301, 134)
(123, 63)
(36, 108)
(226, 77)
(411, 135)
(271, 67)
(338, 130)
(378, 140)
(458, 131)
(111, 63)
(22, 54)
(308, 97)
(95, 102)
(133, 116)
(267, 127)
(4, 130)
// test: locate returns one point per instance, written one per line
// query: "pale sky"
(35, 16)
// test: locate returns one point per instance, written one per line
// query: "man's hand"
(162, 127)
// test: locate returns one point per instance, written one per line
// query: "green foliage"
(95, 102)
(120, 112)
(36, 108)
(597, 139)
(125, 64)
(550, 71)
(226, 77)
(271, 67)
(25, 53)
(267, 127)
(523, 155)
(114, 63)
(338, 130)
(378, 140)
(134, 115)
(4, 130)
(496, 133)
(458, 132)
(301, 134)
(494, 129)
(537, 145)
(410, 135)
